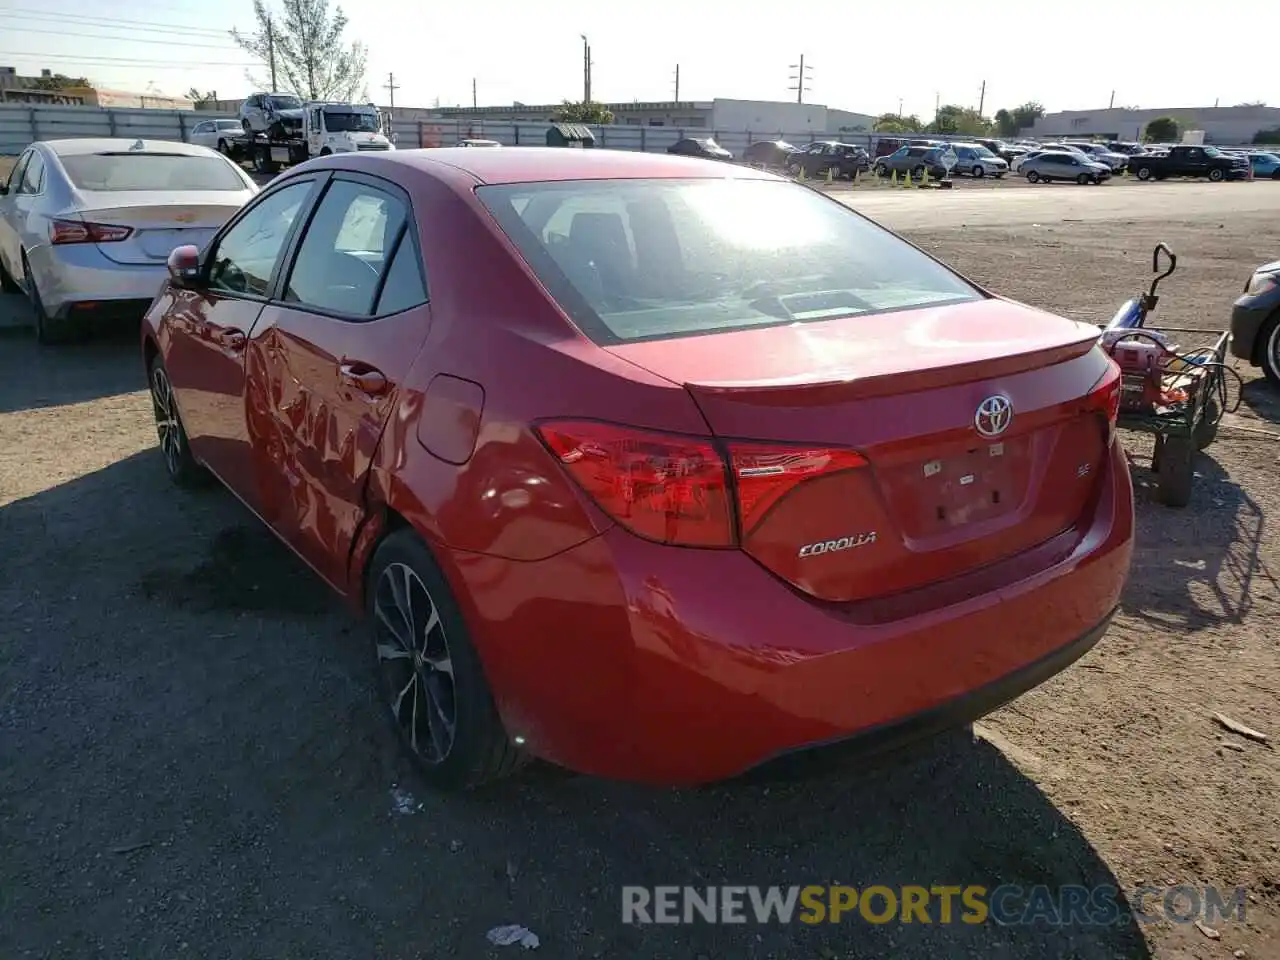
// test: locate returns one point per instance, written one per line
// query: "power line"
(226, 48)
(128, 61)
(145, 25)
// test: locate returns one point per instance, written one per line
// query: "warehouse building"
(1220, 124)
(758, 116)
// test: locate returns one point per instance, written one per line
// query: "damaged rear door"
(326, 363)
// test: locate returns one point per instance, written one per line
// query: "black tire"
(880, 170)
(180, 464)
(7, 283)
(1207, 429)
(1143, 173)
(1275, 174)
(1216, 175)
(325, 151)
(50, 331)
(1177, 471)
(1083, 179)
(223, 148)
(1267, 351)
(248, 130)
(478, 750)
(978, 172)
(917, 172)
(1033, 177)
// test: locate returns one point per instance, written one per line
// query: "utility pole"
(586, 69)
(271, 53)
(800, 78)
(982, 97)
(391, 86)
(899, 108)
(1113, 100)
(677, 83)
(474, 103)
(937, 106)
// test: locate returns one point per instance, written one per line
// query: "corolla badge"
(993, 416)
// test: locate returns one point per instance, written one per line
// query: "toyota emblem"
(994, 416)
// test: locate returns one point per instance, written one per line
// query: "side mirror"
(184, 266)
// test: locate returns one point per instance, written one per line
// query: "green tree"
(952, 119)
(1161, 130)
(59, 81)
(311, 55)
(896, 123)
(1267, 136)
(585, 111)
(195, 96)
(1009, 123)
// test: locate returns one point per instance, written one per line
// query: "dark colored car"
(912, 161)
(769, 153)
(705, 147)
(843, 159)
(1126, 147)
(1004, 151)
(1188, 160)
(1255, 321)
(652, 467)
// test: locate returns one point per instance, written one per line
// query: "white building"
(1220, 124)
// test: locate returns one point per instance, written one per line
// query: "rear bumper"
(628, 659)
(71, 278)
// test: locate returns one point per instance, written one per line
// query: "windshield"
(150, 171)
(282, 102)
(1212, 152)
(348, 121)
(983, 152)
(635, 260)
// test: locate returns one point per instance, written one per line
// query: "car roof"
(85, 145)
(536, 164)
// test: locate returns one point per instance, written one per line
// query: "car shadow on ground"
(106, 363)
(1195, 566)
(195, 763)
(1262, 398)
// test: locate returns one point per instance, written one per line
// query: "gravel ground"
(191, 764)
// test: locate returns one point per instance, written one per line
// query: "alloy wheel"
(415, 663)
(168, 428)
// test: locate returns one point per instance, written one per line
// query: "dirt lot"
(191, 764)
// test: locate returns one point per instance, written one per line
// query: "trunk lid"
(935, 497)
(160, 220)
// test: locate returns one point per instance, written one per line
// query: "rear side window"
(112, 172)
(651, 259)
(346, 249)
(404, 286)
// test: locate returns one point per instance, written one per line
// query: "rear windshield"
(150, 171)
(633, 260)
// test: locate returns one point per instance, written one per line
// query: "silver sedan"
(1053, 165)
(86, 226)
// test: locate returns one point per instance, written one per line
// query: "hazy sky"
(865, 57)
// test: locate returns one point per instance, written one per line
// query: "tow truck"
(327, 127)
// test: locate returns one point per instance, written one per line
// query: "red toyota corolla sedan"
(650, 466)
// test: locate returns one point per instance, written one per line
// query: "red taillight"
(1105, 398)
(664, 487)
(81, 231)
(766, 473)
(675, 489)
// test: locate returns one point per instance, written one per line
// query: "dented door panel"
(320, 392)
